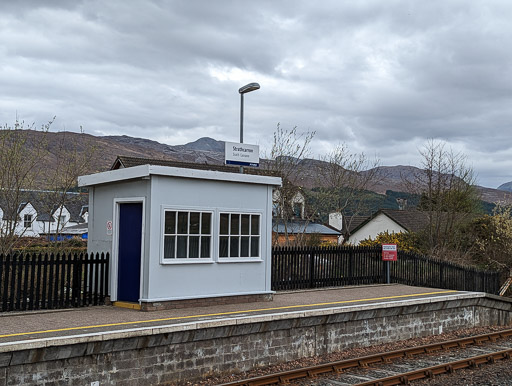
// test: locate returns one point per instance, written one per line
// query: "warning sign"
(389, 252)
(109, 228)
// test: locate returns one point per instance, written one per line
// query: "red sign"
(389, 252)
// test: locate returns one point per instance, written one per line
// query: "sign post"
(389, 253)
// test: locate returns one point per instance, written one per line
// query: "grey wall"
(162, 281)
(178, 281)
(171, 354)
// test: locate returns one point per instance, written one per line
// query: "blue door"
(130, 237)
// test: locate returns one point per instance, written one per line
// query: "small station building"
(178, 234)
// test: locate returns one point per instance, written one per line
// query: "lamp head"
(248, 88)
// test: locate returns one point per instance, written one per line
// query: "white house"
(178, 233)
(37, 215)
(390, 220)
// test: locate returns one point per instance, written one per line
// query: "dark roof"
(127, 162)
(302, 226)
(352, 222)
(411, 220)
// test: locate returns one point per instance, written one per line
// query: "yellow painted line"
(223, 313)
(132, 306)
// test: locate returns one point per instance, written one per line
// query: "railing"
(298, 268)
(51, 281)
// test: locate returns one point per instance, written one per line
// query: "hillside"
(103, 151)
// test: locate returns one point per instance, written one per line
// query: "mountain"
(507, 187)
(103, 151)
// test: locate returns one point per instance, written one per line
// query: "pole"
(388, 272)
(241, 124)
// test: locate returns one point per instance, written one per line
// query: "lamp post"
(244, 90)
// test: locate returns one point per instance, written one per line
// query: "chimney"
(402, 203)
(336, 220)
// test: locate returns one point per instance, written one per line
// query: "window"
(27, 221)
(239, 235)
(187, 235)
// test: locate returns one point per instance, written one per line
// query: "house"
(290, 226)
(390, 220)
(178, 232)
(291, 232)
(35, 213)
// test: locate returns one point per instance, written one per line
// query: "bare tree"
(446, 186)
(20, 158)
(345, 178)
(286, 159)
(31, 160)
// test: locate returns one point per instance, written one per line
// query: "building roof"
(352, 222)
(147, 170)
(411, 220)
(302, 227)
(127, 162)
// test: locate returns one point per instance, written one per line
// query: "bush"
(406, 242)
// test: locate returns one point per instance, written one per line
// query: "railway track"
(399, 366)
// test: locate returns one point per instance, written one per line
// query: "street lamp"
(244, 90)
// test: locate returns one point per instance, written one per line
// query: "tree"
(447, 193)
(34, 159)
(488, 239)
(345, 179)
(287, 159)
(18, 172)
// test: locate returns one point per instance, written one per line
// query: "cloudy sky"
(381, 76)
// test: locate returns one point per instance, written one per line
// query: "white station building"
(176, 234)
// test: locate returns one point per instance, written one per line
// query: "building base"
(205, 302)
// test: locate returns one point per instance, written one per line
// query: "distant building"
(38, 214)
(390, 220)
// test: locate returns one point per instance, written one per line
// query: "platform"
(110, 345)
(26, 326)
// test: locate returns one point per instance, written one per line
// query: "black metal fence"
(51, 281)
(297, 268)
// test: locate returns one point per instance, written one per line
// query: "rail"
(343, 365)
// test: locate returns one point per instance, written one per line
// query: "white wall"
(379, 224)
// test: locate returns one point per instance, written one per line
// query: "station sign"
(242, 154)
(389, 252)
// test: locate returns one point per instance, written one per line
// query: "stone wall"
(194, 350)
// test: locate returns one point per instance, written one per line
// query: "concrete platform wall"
(199, 349)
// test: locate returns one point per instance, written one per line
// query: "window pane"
(182, 246)
(233, 247)
(205, 246)
(224, 224)
(223, 246)
(193, 246)
(245, 224)
(255, 224)
(206, 223)
(169, 242)
(255, 246)
(170, 223)
(183, 223)
(235, 224)
(194, 223)
(244, 247)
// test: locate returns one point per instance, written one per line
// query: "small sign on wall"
(389, 252)
(242, 154)
(109, 228)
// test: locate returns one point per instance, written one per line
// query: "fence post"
(311, 268)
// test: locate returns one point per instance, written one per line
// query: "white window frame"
(259, 235)
(25, 221)
(187, 260)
